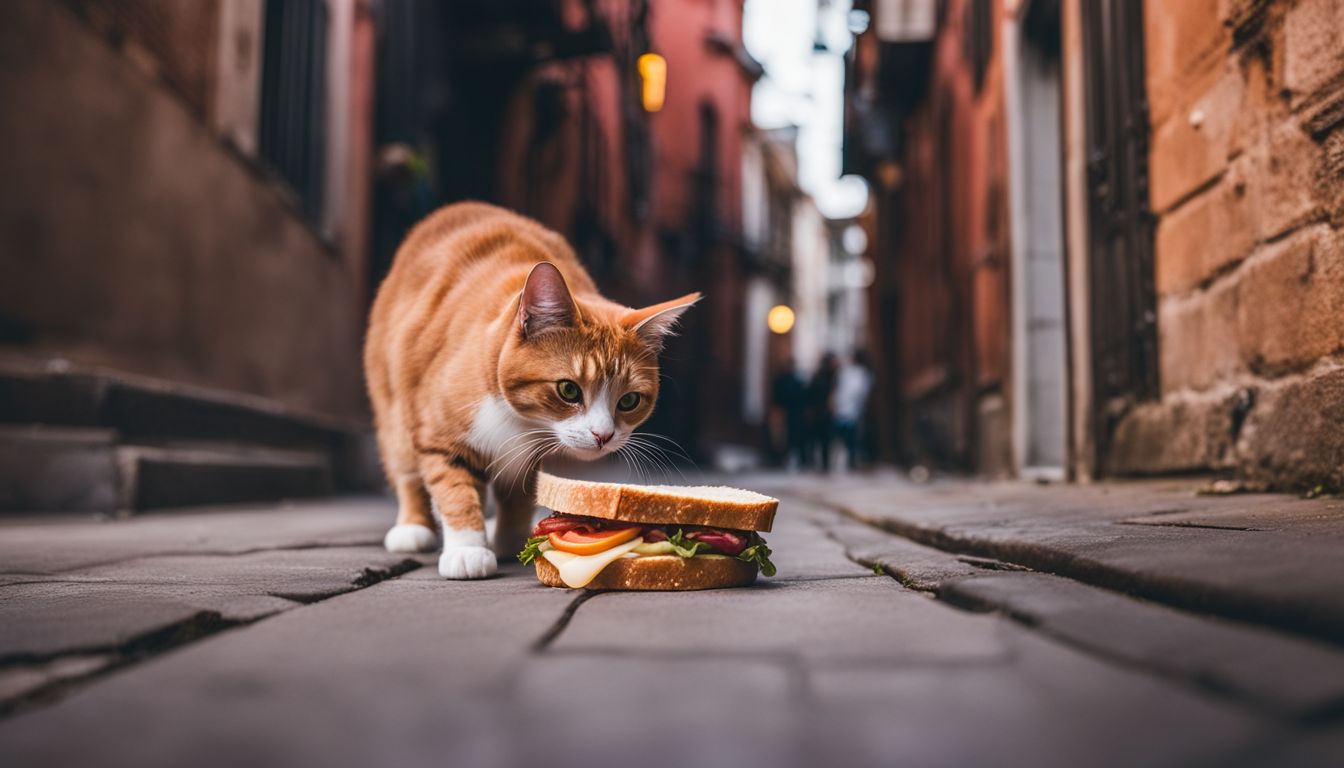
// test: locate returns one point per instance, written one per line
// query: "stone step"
(142, 409)
(73, 469)
(57, 469)
(138, 411)
(154, 477)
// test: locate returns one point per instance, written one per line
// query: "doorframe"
(1014, 30)
(1083, 458)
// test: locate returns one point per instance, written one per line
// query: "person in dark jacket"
(821, 416)
(788, 395)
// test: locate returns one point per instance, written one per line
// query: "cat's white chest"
(497, 430)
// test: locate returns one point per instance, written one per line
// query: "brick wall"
(940, 304)
(1247, 170)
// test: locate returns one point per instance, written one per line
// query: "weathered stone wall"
(133, 239)
(1247, 170)
(178, 40)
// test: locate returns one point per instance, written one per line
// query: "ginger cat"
(489, 348)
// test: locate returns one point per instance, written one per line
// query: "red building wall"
(941, 251)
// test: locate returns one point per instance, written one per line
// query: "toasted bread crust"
(646, 504)
(662, 573)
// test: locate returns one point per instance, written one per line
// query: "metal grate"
(294, 97)
(1120, 223)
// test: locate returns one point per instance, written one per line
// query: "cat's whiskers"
(519, 455)
(518, 459)
(541, 456)
(680, 451)
(508, 448)
(645, 461)
(656, 455)
(628, 466)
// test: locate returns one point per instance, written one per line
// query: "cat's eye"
(628, 401)
(569, 391)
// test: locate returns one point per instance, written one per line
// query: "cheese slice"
(558, 557)
(578, 570)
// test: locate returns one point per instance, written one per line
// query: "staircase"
(93, 441)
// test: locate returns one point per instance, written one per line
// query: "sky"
(805, 88)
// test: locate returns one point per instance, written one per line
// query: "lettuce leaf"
(687, 547)
(533, 549)
(757, 552)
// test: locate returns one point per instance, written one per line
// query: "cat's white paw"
(467, 563)
(410, 538)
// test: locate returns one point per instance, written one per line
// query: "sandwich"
(648, 537)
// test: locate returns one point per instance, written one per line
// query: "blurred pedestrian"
(788, 396)
(853, 384)
(820, 413)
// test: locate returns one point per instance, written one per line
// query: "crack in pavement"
(156, 642)
(988, 564)
(1202, 526)
(1198, 680)
(541, 644)
(138, 649)
(1182, 594)
(301, 546)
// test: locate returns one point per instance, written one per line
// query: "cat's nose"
(602, 438)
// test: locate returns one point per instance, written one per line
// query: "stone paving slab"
(1314, 749)
(1308, 519)
(829, 664)
(48, 545)
(649, 711)
(104, 607)
(1286, 676)
(1044, 705)
(430, 673)
(1287, 575)
(402, 673)
(20, 681)
(869, 620)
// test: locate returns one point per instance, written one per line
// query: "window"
(294, 98)
(707, 173)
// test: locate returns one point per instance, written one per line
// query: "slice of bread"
(712, 506)
(661, 573)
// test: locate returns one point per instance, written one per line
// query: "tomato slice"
(591, 542)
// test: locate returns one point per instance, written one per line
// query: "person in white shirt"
(853, 384)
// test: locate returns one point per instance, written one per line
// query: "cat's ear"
(655, 323)
(545, 304)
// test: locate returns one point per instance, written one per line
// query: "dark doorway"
(1120, 224)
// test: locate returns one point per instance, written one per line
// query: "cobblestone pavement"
(944, 624)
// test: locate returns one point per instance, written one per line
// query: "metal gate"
(294, 97)
(1120, 223)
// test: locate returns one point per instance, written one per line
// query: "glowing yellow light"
(780, 319)
(653, 70)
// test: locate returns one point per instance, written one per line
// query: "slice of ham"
(724, 541)
(559, 523)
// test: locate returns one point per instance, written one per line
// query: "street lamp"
(653, 72)
(780, 319)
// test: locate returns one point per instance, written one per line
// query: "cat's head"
(585, 371)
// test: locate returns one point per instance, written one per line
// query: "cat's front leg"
(458, 498)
